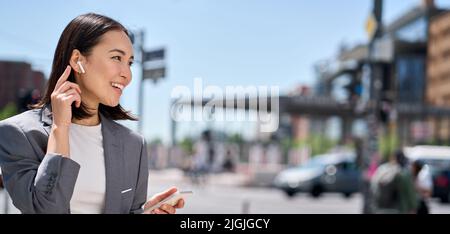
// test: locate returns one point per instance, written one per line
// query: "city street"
(221, 196)
(313, 96)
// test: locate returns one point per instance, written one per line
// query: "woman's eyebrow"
(120, 51)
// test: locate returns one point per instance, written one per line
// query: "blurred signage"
(371, 26)
(383, 50)
(153, 55)
(155, 73)
(153, 64)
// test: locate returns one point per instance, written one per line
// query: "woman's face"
(107, 70)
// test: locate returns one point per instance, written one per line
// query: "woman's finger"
(73, 98)
(63, 77)
(167, 208)
(167, 193)
(78, 100)
(77, 96)
(180, 204)
(70, 92)
(159, 211)
(68, 85)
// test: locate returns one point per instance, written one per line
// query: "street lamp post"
(152, 67)
(370, 152)
(141, 84)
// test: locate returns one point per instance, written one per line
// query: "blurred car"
(438, 160)
(335, 172)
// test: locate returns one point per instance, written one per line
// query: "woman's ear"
(74, 59)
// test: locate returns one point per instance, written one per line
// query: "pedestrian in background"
(423, 182)
(393, 187)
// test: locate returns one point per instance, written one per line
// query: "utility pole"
(141, 82)
(173, 124)
(153, 68)
(370, 152)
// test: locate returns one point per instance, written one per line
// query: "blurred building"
(342, 92)
(19, 83)
(438, 72)
(408, 91)
(300, 124)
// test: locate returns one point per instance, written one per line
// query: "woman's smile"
(118, 87)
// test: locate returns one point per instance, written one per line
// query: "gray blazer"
(43, 183)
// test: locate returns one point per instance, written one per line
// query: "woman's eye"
(116, 58)
(130, 64)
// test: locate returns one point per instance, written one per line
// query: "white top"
(86, 148)
(425, 179)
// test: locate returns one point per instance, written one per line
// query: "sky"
(226, 42)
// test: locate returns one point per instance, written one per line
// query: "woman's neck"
(90, 121)
(93, 120)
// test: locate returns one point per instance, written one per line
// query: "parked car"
(335, 172)
(438, 160)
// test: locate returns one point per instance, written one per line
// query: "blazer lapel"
(114, 164)
(46, 118)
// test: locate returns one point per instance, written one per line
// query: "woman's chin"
(111, 103)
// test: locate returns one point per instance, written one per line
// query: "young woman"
(68, 155)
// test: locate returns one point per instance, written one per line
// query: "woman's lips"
(118, 90)
(118, 87)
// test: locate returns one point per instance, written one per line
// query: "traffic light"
(385, 110)
(354, 90)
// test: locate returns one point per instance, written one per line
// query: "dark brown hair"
(82, 33)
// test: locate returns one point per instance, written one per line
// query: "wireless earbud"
(81, 67)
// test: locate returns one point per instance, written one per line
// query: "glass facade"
(410, 73)
(416, 31)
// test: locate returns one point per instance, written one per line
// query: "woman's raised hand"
(64, 94)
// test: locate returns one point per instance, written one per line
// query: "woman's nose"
(126, 74)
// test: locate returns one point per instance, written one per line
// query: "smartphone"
(171, 200)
